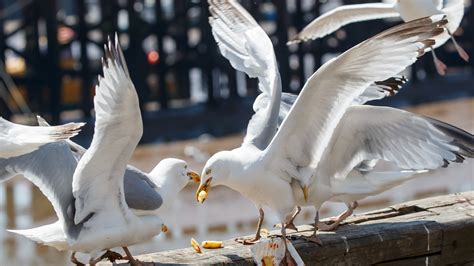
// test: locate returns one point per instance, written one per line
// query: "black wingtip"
(462, 139)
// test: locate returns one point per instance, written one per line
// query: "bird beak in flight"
(194, 176)
(203, 191)
(305, 193)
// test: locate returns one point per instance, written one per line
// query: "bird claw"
(75, 261)
(112, 256)
(463, 53)
(245, 241)
(134, 262)
(440, 67)
(313, 238)
(291, 226)
(327, 227)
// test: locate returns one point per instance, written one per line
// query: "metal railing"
(52, 49)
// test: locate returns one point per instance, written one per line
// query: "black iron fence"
(52, 48)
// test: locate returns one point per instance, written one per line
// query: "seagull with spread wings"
(16, 140)
(269, 162)
(101, 202)
(408, 10)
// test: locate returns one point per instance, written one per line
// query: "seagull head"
(215, 172)
(176, 171)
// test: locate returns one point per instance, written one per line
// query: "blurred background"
(193, 102)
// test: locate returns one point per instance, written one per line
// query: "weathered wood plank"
(436, 231)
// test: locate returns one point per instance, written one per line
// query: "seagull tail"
(50, 235)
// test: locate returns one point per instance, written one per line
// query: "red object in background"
(153, 57)
(65, 34)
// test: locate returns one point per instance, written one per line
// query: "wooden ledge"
(433, 231)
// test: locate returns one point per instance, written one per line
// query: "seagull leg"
(440, 66)
(283, 235)
(93, 262)
(130, 258)
(257, 234)
(462, 53)
(337, 220)
(290, 224)
(314, 237)
(75, 261)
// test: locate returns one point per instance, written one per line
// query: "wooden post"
(52, 64)
(86, 100)
(161, 66)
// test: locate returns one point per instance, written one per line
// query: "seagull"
(408, 10)
(16, 140)
(100, 201)
(264, 167)
(262, 127)
(366, 135)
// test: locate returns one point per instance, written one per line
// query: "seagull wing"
(305, 133)
(98, 179)
(76, 148)
(381, 89)
(343, 15)
(409, 141)
(249, 49)
(16, 140)
(51, 168)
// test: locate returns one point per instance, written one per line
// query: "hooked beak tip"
(203, 191)
(194, 176)
(202, 196)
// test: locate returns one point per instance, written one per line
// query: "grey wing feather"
(140, 193)
(51, 169)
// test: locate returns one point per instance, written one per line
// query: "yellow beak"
(305, 193)
(194, 176)
(203, 191)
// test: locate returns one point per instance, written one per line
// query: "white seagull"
(100, 201)
(16, 140)
(408, 10)
(265, 166)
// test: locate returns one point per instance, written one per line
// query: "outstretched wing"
(51, 168)
(409, 141)
(300, 142)
(98, 179)
(376, 91)
(248, 48)
(16, 140)
(343, 15)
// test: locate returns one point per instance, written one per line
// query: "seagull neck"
(168, 188)
(240, 166)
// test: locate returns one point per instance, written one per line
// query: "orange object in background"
(153, 57)
(71, 90)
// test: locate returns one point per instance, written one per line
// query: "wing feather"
(409, 141)
(332, 89)
(16, 140)
(343, 15)
(118, 129)
(248, 48)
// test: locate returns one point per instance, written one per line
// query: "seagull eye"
(208, 172)
(185, 167)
